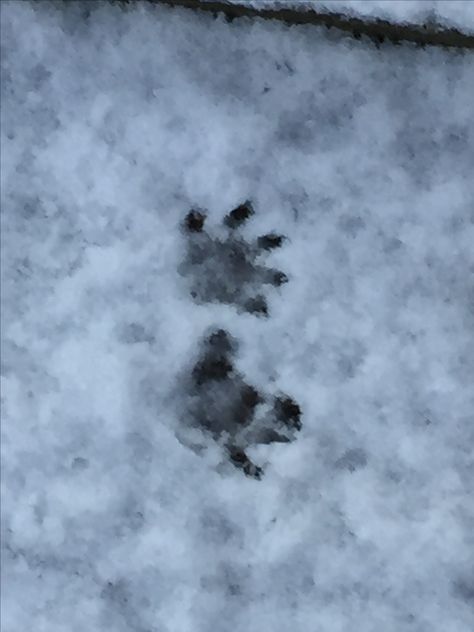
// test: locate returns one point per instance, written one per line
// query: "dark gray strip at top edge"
(379, 31)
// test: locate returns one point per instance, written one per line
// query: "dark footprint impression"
(226, 270)
(233, 412)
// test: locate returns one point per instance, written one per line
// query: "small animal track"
(227, 270)
(232, 411)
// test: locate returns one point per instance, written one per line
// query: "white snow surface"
(449, 13)
(113, 127)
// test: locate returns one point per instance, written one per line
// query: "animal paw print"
(228, 269)
(232, 411)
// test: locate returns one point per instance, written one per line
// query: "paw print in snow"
(232, 411)
(227, 270)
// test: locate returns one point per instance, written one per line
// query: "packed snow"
(115, 123)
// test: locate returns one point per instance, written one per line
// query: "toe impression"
(270, 241)
(239, 215)
(194, 221)
(288, 412)
(257, 305)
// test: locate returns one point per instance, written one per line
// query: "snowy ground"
(450, 13)
(112, 128)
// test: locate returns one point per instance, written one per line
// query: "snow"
(113, 127)
(449, 13)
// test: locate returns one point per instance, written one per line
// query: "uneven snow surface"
(113, 127)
